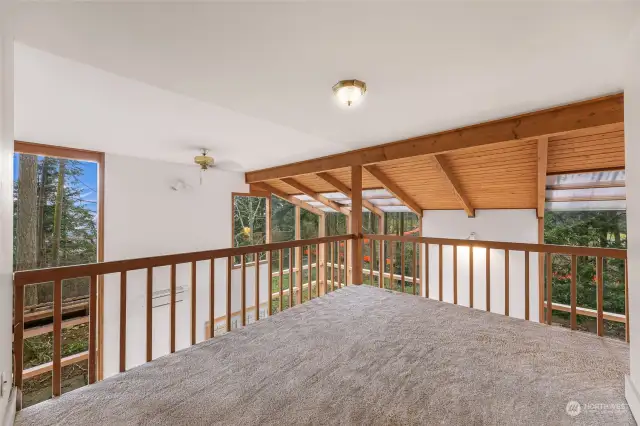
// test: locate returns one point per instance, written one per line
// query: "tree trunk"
(26, 228)
(42, 201)
(57, 215)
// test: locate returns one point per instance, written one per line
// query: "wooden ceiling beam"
(341, 187)
(316, 196)
(549, 122)
(265, 187)
(394, 189)
(543, 150)
(440, 164)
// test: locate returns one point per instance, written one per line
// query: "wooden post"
(356, 224)
(600, 295)
(541, 257)
(574, 292)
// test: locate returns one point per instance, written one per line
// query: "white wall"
(145, 217)
(494, 225)
(6, 219)
(632, 154)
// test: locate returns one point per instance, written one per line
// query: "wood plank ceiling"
(493, 176)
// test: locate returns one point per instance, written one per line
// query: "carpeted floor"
(362, 355)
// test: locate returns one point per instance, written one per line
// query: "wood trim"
(394, 189)
(609, 316)
(290, 198)
(541, 272)
(57, 151)
(592, 185)
(316, 196)
(341, 187)
(543, 148)
(552, 121)
(441, 165)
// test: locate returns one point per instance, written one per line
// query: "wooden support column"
(356, 224)
(381, 257)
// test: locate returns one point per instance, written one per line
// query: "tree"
(26, 227)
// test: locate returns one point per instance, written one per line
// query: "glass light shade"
(349, 92)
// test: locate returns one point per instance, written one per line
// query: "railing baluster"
(18, 336)
(243, 290)
(526, 285)
(426, 270)
(149, 303)
(371, 262)
(471, 276)
(488, 279)
(57, 338)
(549, 260)
(455, 274)
(269, 284)
(309, 272)
(93, 321)
(506, 282)
(173, 308)
(392, 282)
(415, 268)
(281, 264)
(574, 292)
(123, 321)
(332, 264)
(291, 254)
(440, 272)
(381, 264)
(257, 289)
(402, 266)
(228, 313)
(600, 291)
(339, 266)
(193, 302)
(300, 275)
(212, 297)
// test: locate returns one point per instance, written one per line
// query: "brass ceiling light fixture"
(350, 92)
(204, 161)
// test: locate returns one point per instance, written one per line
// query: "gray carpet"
(362, 355)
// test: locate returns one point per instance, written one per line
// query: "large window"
(56, 220)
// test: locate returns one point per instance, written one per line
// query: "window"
(57, 222)
(249, 223)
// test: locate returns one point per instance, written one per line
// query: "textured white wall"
(494, 225)
(632, 154)
(145, 217)
(6, 216)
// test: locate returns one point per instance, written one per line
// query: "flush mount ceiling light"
(349, 92)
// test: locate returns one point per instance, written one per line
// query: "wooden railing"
(329, 258)
(545, 252)
(122, 267)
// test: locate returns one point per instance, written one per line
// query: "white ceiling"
(253, 81)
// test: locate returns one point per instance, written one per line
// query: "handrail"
(36, 276)
(501, 245)
(545, 273)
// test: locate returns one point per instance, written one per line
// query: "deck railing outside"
(328, 257)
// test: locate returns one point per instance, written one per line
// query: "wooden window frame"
(55, 151)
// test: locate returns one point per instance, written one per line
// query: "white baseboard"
(10, 412)
(632, 396)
